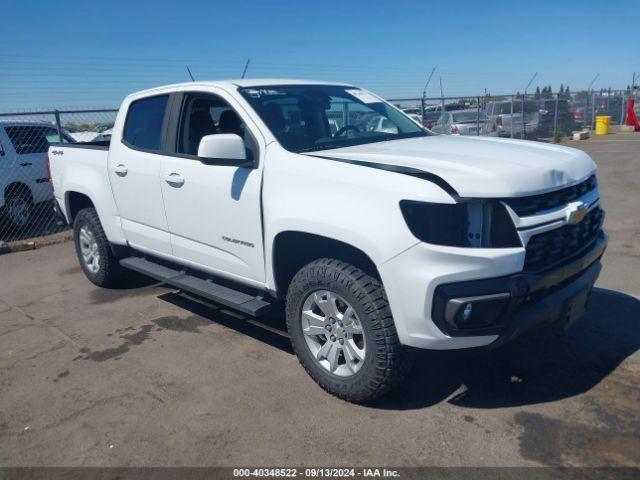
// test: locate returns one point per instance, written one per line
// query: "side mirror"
(226, 149)
(1, 150)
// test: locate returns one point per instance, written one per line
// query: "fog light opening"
(475, 312)
(466, 313)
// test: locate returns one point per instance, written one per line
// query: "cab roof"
(233, 84)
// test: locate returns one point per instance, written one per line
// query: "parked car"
(546, 110)
(465, 122)
(415, 117)
(448, 107)
(24, 182)
(377, 242)
(581, 112)
(508, 117)
(431, 118)
(412, 111)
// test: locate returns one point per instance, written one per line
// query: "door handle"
(26, 164)
(121, 170)
(174, 179)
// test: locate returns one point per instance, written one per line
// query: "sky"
(74, 53)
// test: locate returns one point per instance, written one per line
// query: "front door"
(213, 212)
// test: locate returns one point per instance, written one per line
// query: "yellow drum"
(602, 124)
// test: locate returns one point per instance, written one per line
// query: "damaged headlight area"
(469, 223)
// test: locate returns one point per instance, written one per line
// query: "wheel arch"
(293, 249)
(15, 187)
(76, 201)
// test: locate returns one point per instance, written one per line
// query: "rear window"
(529, 107)
(143, 127)
(31, 139)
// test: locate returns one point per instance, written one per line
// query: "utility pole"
(424, 91)
(441, 94)
(246, 65)
(593, 106)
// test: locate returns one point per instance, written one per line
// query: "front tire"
(96, 257)
(343, 333)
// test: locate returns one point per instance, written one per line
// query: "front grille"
(555, 246)
(533, 204)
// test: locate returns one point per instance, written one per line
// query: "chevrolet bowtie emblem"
(577, 214)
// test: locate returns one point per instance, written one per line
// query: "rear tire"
(19, 206)
(363, 360)
(96, 257)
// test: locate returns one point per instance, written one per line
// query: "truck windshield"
(307, 118)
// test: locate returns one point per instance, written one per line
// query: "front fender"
(353, 204)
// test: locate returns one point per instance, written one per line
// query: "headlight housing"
(469, 223)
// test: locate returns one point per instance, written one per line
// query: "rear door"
(135, 161)
(213, 211)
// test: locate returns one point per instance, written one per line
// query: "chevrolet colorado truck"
(378, 241)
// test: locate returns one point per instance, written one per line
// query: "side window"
(143, 126)
(209, 115)
(28, 139)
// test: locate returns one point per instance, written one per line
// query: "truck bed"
(81, 168)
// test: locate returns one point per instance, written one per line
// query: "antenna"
(592, 81)
(424, 93)
(190, 74)
(246, 65)
(529, 84)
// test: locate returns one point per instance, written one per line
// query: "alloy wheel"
(333, 333)
(89, 249)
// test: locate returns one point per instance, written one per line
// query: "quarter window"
(143, 127)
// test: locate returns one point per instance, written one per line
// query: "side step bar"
(174, 276)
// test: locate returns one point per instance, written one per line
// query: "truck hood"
(479, 166)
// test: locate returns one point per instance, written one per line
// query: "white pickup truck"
(378, 242)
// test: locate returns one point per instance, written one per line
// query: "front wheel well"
(293, 250)
(75, 202)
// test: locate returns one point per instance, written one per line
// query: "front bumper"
(522, 300)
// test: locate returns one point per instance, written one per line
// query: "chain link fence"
(545, 116)
(27, 209)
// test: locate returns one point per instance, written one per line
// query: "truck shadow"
(270, 329)
(543, 366)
